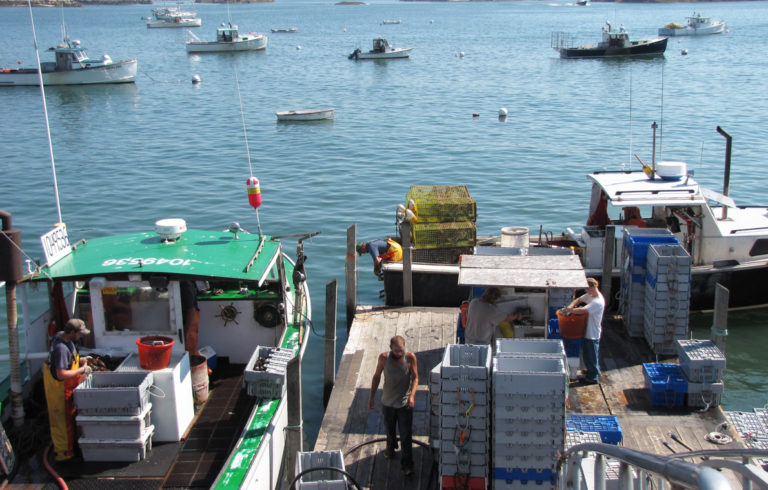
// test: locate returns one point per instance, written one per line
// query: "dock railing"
(584, 467)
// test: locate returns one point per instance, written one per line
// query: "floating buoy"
(503, 112)
(461, 54)
(727, 31)
(298, 47)
(684, 52)
(475, 114)
(254, 192)
(195, 78)
(345, 29)
(431, 21)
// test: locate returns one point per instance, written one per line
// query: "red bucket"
(572, 326)
(154, 352)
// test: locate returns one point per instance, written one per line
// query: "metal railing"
(584, 467)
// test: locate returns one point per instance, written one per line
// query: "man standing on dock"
(594, 305)
(401, 378)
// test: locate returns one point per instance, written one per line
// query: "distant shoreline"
(82, 3)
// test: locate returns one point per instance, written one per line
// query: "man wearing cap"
(62, 373)
(381, 250)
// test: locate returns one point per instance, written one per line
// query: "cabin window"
(760, 247)
(135, 308)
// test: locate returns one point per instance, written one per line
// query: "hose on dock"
(59, 480)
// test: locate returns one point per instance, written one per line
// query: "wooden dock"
(348, 422)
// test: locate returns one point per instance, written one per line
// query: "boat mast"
(45, 109)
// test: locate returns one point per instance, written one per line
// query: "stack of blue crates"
(635, 249)
(464, 444)
(529, 388)
(667, 297)
(666, 384)
(606, 425)
(703, 365)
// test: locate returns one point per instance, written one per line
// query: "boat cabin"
(380, 45)
(71, 56)
(615, 39)
(227, 34)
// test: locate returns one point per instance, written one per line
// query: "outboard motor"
(354, 54)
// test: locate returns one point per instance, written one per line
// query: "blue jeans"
(402, 419)
(589, 349)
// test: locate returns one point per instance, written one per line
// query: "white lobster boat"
(305, 115)
(697, 26)
(176, 21)
(381, 50)
(228, 39)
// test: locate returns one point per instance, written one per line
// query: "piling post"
(294, 430)
(350, 273)
(405, 236)
(720, 317)
(609, 248)
(330, 340)
(11, 273)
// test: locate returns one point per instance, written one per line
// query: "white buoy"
(461, 54)
(503, 112)
(298, 47)
(431, 21)
(684, 52)
(195, 78)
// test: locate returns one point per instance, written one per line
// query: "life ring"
(718, 438)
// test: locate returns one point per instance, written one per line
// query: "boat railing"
(586, 466)
(560, 40)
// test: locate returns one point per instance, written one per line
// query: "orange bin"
(154, 352)
(572, 326)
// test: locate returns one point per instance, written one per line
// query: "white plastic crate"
(521, 407)
(525, 454)
(704, 394)
(461, 361)
(269, 383)
(477, 386)
(576, 437)
(434, 378)
(114, 426)
(117, 450)
(530, 435)
(475, 459)
(451, 417)
(471, 447)
(467, 397)
(452, 434)
(701, 360)
(321, 479)
(530, 347)
(451, 410)
(451, 470)
(113, 393)
(535, 376)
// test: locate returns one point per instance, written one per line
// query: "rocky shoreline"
(81, 3)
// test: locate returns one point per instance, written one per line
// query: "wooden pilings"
(720, 317)
(405, 237)
(350, 273)
(329, 371)
(294, 432)
(609, 248)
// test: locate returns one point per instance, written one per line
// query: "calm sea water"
(163, 147)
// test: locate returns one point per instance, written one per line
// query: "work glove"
(87, 370)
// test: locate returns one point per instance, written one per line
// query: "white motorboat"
(392, 21)
(381, 50)
(175, 22)
(697, 26)
(305, 115)
(285, 30)
(72, 67)
(228, 39)
(168, 13)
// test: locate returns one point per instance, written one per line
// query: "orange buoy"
(254, 192)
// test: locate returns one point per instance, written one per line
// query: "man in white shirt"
(594, 306)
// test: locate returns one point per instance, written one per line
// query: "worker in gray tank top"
(401, 378)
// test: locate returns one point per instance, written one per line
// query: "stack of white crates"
(321, 479)
(703, 365)
(434, 407)
(465, 377)
(114, 416)
(529, 389)
(634, 251)
(667, 297)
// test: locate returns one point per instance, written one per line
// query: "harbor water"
(164, 147)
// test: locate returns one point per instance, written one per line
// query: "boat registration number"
(146, 261)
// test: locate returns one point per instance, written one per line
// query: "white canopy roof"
(530, 271)
(636, 189)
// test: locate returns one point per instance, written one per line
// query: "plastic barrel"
(572, 326)
(199, 368)
(154, 352)
(514, 236)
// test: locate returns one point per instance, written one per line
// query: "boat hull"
(395, 53)
(244, 44)
(168, 23)
(308, 115)
(653, 47)
(716, 28)
(117, 72)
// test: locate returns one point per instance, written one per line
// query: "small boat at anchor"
(228, 39)
(72, 67)
(614, 43)
(697, 26)
(391, 21)
(381, 50)
(285, 30)
(176, 21)
(305, 115)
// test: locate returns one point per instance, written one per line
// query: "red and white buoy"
(254, 192)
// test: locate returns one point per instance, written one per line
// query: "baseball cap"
(76, 325)
(359, 248)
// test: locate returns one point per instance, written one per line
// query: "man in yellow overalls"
(61, 374)
(381, 250)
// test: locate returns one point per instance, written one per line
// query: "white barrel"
(514, 236)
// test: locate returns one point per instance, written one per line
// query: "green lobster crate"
(440, 255)
(442, 203)
(444, 235)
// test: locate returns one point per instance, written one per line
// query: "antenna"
(45, 110)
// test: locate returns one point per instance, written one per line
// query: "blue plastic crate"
(666, 384)
(525, 474)
(638, 246)
(553, 329)
(459, 331)
(607, 425)
(572, 347)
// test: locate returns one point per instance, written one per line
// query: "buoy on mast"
(254, 192)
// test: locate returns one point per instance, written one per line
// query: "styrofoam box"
(321, 479)
(700, 360)
(530, 376)
(461, 361)
(113, 393)
(114, 426)
(117, 450)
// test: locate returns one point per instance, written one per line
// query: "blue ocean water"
(164, 147)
